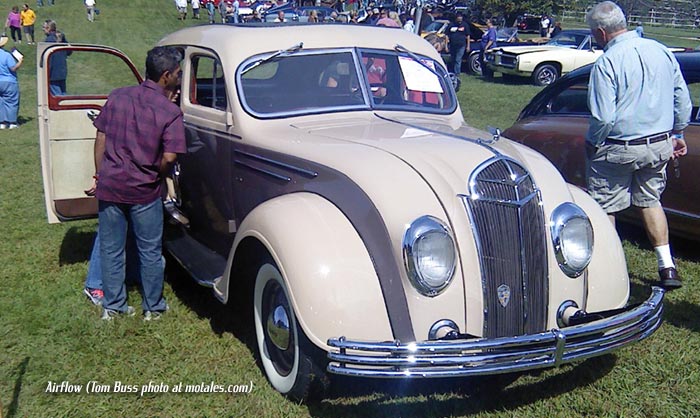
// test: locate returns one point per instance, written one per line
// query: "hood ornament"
(495, 136)
(503, 295)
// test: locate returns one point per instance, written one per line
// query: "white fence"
(671, 19)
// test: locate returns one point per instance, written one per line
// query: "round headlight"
(572, 234)
(429, 255)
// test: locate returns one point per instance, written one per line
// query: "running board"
(204, 265)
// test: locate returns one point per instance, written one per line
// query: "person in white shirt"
(90, 7)
(181, 9)
(195, 9)
(544, 26)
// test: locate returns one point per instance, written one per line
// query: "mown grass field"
(49, 333)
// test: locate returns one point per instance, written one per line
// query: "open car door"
(68, 101)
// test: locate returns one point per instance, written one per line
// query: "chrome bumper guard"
(481, 356)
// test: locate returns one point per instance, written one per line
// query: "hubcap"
(547, 77)
(279, 339)
(278, 327)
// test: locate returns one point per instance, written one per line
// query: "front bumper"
(482, 356)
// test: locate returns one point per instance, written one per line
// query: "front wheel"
(545, 75)
(474, 64)
(284, 350)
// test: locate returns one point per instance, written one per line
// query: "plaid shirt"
(139, 123)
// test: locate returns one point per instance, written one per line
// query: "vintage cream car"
(567, 51)
(332, 184)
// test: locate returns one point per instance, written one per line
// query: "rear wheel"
(285, 352)
(545, 74)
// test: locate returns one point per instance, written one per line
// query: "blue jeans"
(9, 101)
(457, 54)
(58, 87)
(146, 223)
(93, 280)
(210, 10)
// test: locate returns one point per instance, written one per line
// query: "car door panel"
(66, 133)
(544, 134)
(683, 177)
(205, 169)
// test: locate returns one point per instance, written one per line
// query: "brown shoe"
(670, 279)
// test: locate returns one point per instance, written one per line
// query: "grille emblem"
(503, 295)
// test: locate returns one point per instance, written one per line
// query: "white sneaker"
(109, 314)
(3, 126)
(13, 126)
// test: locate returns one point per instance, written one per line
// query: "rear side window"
(209, 86)
(572, 100)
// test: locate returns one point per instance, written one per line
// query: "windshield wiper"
(292, 49)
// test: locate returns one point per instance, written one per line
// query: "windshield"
(434, 26)
(330, 81)
(567, 39)
(506, 34)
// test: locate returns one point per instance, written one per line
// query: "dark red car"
(555, 123)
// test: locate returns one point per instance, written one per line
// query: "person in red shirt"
(140, 131)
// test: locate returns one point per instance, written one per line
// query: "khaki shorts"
(620, 175)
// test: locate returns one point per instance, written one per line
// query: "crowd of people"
(17, 22)
(20, 24)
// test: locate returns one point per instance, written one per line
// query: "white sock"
(663, 256)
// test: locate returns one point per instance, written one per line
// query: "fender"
(608, 280)
(333, 286)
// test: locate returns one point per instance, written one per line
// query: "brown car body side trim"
(351, 200)
(256, 175)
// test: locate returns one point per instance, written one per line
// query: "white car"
(567, 51)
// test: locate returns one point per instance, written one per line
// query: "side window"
(572, 100)
(208, 87)
(86, 73)
(694, 89)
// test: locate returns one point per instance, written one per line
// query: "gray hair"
(607, 16)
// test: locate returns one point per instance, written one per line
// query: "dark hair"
(50, 25)
(161, 59)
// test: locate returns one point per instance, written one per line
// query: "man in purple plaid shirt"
(140, 131)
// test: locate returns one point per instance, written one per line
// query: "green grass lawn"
(49, 332)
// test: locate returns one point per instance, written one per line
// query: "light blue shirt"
(7, 61)
(636, 89)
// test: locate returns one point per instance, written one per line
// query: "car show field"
(201, 359)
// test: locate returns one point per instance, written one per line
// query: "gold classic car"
(334, 190)
(567, 51)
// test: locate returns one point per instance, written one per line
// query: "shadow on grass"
(21, 370)
(510, 80)
(76, 245)
(21, 120)
(679, 313)
(681, 247)
(453, 397)
(222, 318)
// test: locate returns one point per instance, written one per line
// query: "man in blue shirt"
(640, 106)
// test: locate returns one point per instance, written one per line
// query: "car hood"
(518, 50)
(443, 155)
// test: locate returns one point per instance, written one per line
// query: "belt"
(640, 141)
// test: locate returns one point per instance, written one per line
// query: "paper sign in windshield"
(419, 78)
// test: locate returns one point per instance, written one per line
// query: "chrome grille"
(508, 223)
